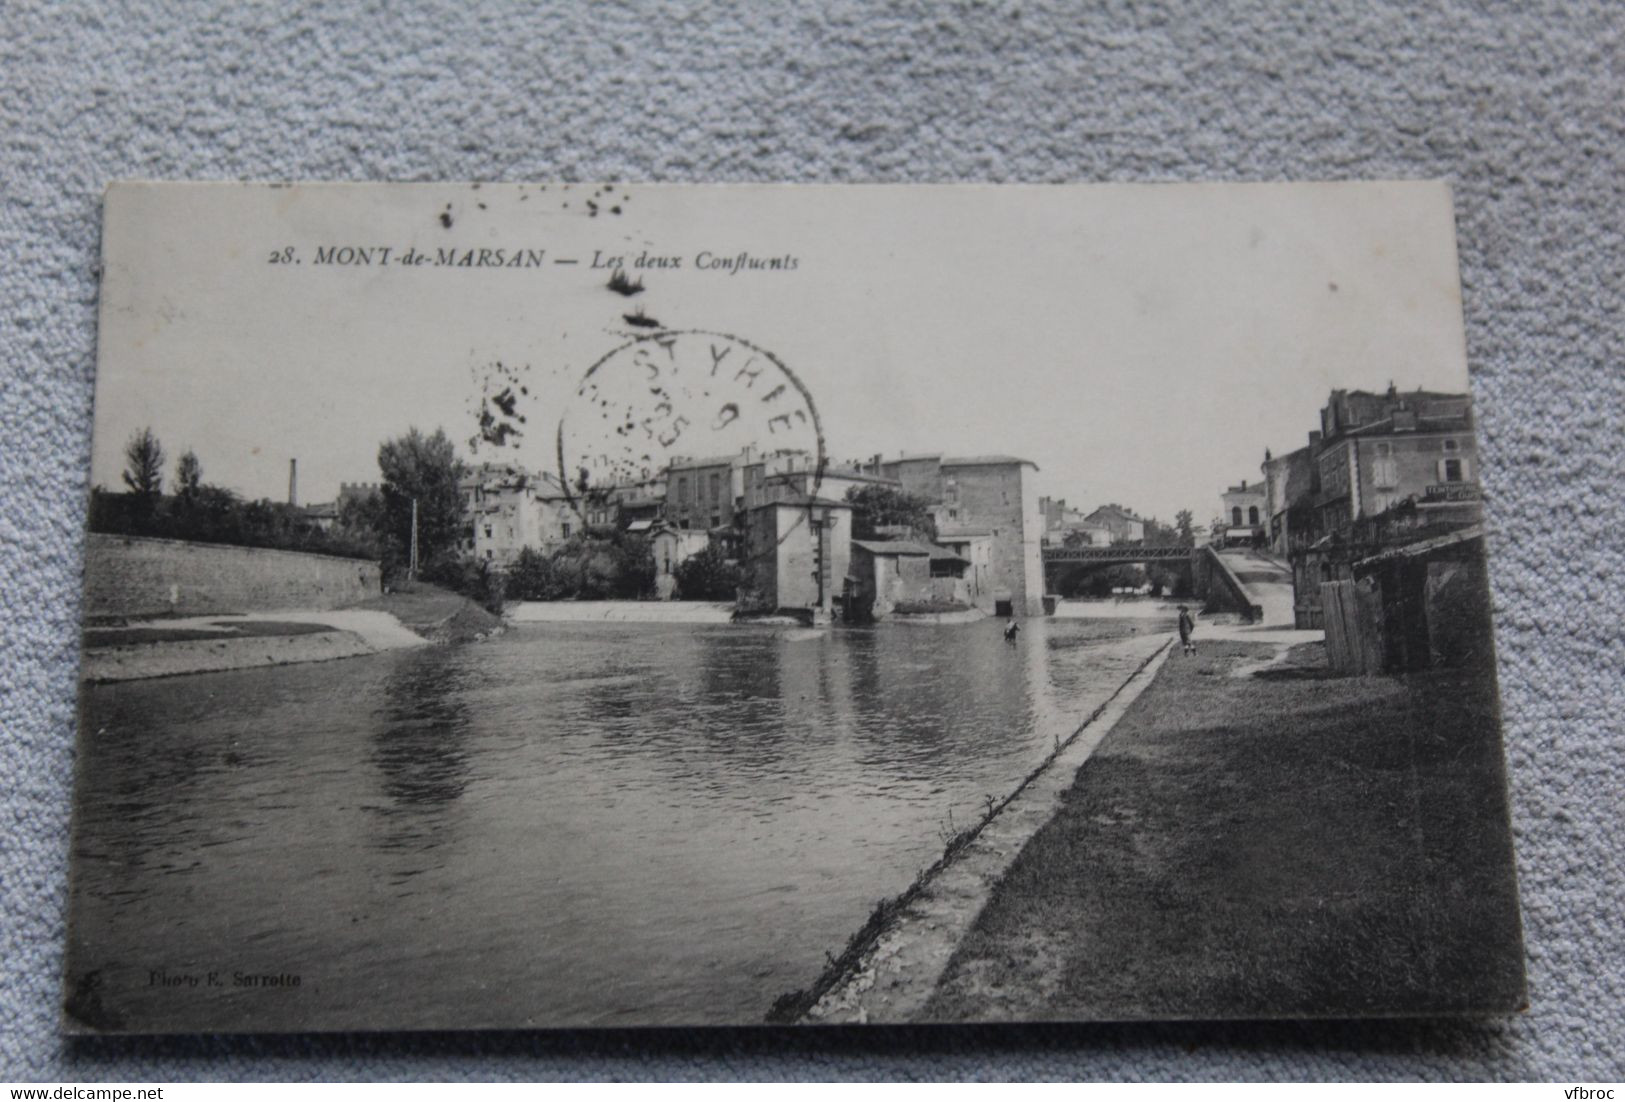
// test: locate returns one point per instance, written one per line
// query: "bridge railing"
(1117, 553)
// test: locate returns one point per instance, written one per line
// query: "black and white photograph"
(534, 606)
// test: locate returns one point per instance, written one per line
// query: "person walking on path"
(1186, 626)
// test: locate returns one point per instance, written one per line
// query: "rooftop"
(987, 461)
(908, 547)
(1116, 511)
(691, 464)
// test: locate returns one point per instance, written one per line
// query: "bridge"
(1214, 576)
(1117, 553)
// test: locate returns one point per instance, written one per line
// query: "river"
(569, 824)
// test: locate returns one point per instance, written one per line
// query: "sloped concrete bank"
(892, 964)
(353, 632)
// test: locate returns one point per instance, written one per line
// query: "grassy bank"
(1286, 844)
(437, 614)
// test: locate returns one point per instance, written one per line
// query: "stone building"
(1070, 527)
(996, 494)
(1288, 496)
(992, 497)
(794, 476)
(1379, 450)
(507, 508)
(892, 573)
(919, 475)
(1123, 526)
(1244, 512)
(671, 547)
(700, 493)
(795, 559)
(1385, 469)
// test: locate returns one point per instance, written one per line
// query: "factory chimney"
(293, 482)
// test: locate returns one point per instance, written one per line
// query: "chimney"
(293, 482)
(1314, 437)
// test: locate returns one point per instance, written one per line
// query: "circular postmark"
(682, 396)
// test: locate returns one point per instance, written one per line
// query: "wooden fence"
(1353, 613)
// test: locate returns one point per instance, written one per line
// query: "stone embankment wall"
(1224, 591)
(133, 576)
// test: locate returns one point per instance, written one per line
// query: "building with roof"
(671, 547)
(1122, 525)
(919, 475)
(1385, 469)
(998, 494)
(700, 493)
(995, 497)
(888, 574)
(1376, 451)
(795, 559)
(507, 508)
(1244, 514)
(1289, 488)
(1065, 526)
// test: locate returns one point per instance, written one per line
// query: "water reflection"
(571, 824)
(419, 748)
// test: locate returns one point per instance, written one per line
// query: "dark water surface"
(571, 824)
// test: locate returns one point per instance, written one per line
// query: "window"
(716, 487)
(1252, 514)
(564, 529)
(1452, 470)
(716, 520)
(487, 531)
(1452, 446)
(1235, 517)
(682, 489)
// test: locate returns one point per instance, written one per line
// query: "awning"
(1423, 547)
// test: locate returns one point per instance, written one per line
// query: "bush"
(707, 576)
(209, 514)
(602, 565)
(532, 578)
(471, 577)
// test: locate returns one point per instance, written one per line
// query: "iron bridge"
(1118, 553)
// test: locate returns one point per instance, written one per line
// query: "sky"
(1141, 344)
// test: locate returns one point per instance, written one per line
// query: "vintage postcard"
(551, 605)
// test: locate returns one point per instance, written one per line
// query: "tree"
(188, 476)
(1185, 526)
(707, 576)
(599, 565)
(425, 469)
(532, 578)
(144, 464)
(874, 507)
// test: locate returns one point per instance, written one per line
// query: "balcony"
(1451, 491)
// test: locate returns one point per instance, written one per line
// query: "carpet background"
(1520, 109)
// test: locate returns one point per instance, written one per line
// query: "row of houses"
(788, 525)
(1101, 527)
(1380, 516)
